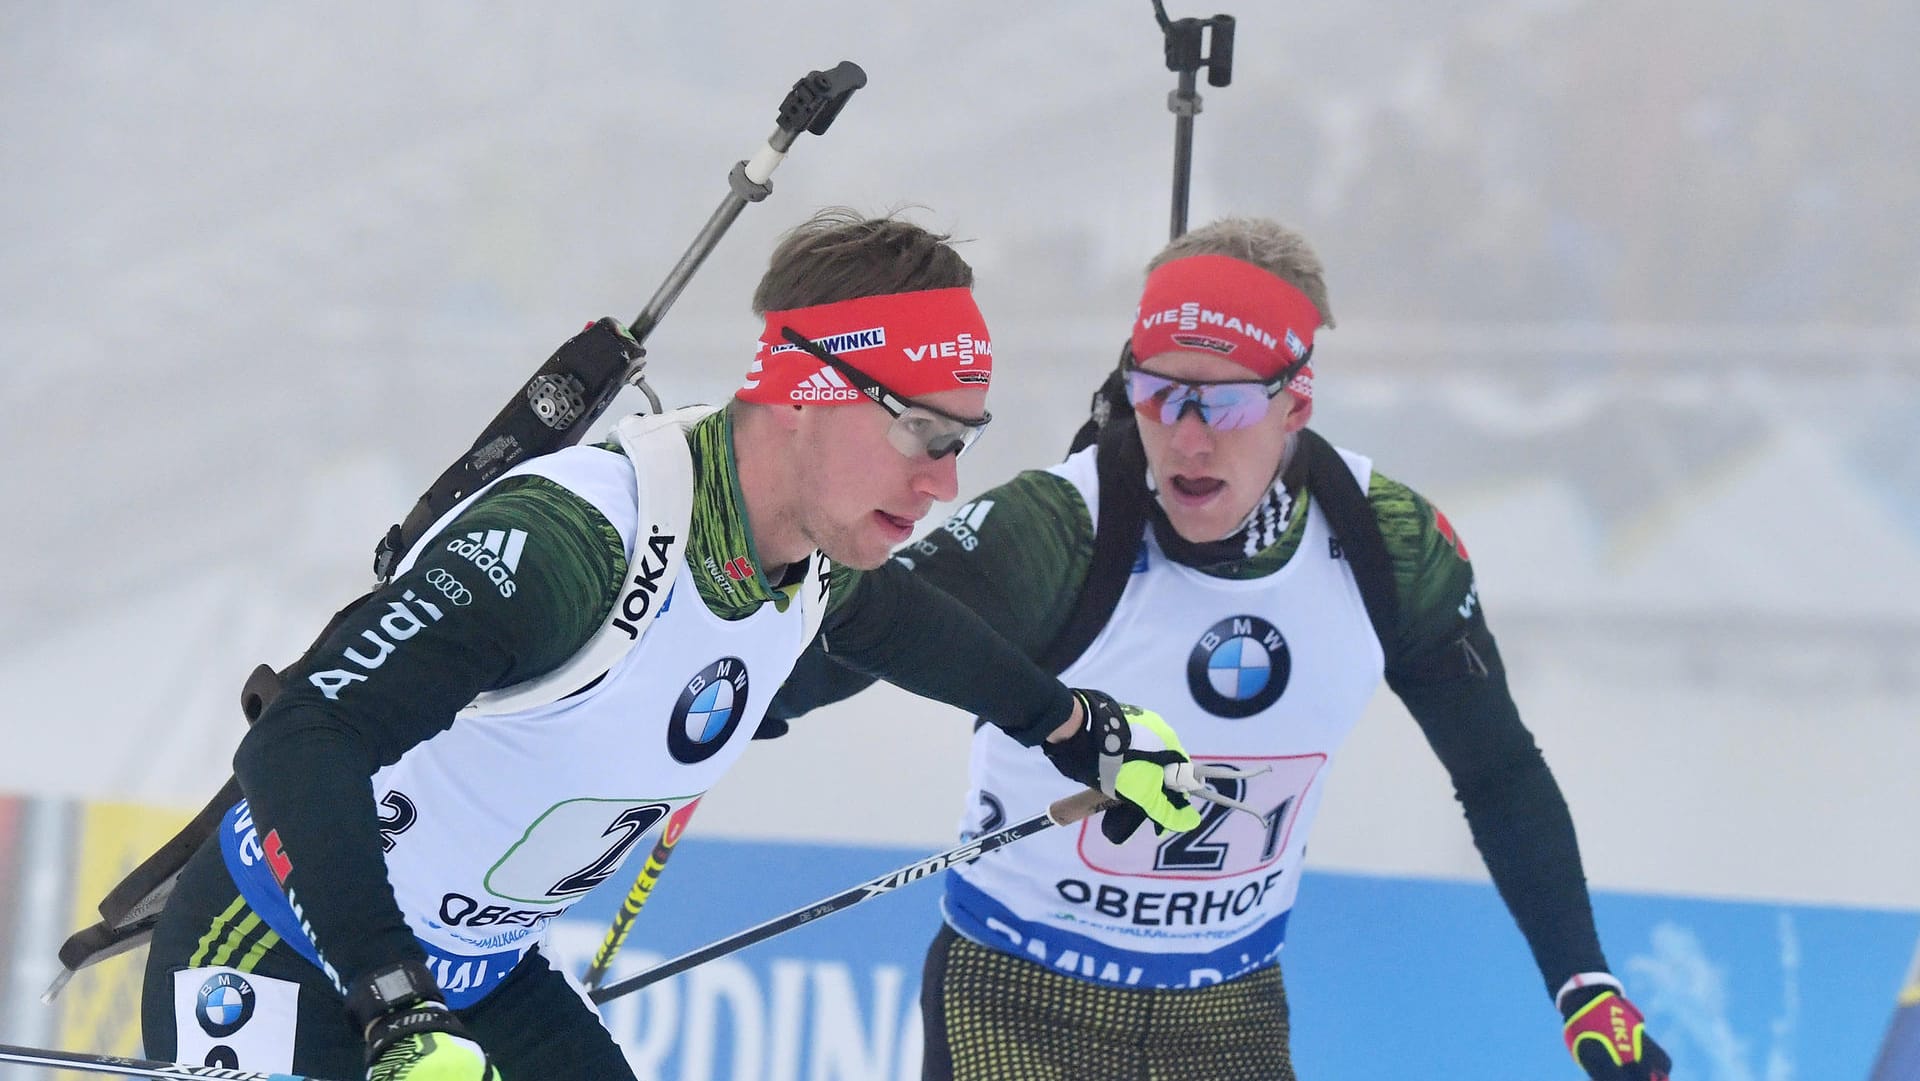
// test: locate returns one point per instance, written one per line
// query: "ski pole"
(131, 1067)
(1186, 55)
(554, 408)
(1062, 812)
(643, 885)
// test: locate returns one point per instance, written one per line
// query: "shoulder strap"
(1122, 521)
(1121, 467)
(1337, 492)
(663, 478)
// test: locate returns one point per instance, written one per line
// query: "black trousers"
(534, 1026)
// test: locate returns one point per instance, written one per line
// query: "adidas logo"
(966, 522)
(825, 385)
(496, 552)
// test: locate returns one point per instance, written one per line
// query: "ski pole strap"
(131, 1067)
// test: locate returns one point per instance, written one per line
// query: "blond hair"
(1263, 242)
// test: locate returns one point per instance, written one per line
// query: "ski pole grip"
(1081, 805)
(816, 99)
(1220, 56)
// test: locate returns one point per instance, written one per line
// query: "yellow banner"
(100, 1008)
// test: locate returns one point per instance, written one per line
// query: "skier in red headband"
(577, 651)
(1211, 554)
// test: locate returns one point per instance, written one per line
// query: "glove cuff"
(1580, 980)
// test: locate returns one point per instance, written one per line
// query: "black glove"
(410, 1033)
(1608, 1037)
(1123, 751)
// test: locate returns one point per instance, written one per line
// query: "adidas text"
(495, 552)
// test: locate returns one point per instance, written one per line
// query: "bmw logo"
(225, 1002)
(709, 710)
(1239, 667)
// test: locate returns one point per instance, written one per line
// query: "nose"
(1191, 437)
(938, 478)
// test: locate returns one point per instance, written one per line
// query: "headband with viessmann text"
(914, 344)
(1221, 305)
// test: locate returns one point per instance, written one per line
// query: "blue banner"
(1387, 978)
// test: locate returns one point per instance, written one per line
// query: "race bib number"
(573, 847)
(1227, 842)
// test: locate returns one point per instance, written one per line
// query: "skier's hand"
(410, 1033)
(1124, 751)
(1608, 1037)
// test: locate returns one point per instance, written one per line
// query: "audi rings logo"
(450, 587)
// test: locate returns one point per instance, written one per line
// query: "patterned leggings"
(990, 1016)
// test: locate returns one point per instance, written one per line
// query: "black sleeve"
(1519, 820)
(393, 673)
(1017, 556)
(1445, 667)
(893, 626)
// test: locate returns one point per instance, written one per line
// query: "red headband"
(1221, 305)
(913, 343)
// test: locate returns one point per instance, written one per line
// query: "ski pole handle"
(1081, 805)
(810, 106)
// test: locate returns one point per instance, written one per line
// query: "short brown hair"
(840, 254)
(1265, 243)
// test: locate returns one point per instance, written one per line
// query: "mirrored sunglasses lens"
(1150, 393)
(1222, 406)
(1232, 406)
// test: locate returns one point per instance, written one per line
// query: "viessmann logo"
(495, 551)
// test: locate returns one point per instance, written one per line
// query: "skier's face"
(867, 496)
(1209, 480)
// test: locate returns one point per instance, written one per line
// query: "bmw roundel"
(710, 708)
(1239, 667)
(225, 1003)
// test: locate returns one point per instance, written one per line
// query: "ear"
(1299, 414)
(788, 418)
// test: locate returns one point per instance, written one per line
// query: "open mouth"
(1195, 489)
(896, 524)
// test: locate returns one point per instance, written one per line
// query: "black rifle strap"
(1117, 536)
(1339, 496)
(1122, 467)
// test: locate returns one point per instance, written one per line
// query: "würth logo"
(495, 551)
(824, 385)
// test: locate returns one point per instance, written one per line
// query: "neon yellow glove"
(410, 1033)
(1124, 751)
